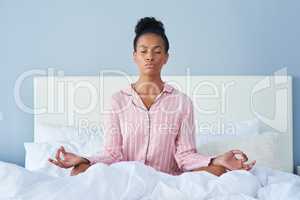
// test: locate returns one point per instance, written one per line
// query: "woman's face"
(150, 54)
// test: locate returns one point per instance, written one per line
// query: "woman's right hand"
(69, 159)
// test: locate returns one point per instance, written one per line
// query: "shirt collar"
(130, 91)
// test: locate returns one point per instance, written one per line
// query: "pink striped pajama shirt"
(162, 137)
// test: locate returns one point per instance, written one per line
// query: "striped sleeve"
(112, 139)
(186, 154)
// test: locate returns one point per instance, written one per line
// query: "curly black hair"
(150, 25)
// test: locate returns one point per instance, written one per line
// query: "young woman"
(152, 122)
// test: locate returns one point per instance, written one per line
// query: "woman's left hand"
(231, 162)
(80, 168)
(216, 170)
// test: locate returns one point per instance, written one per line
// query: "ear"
(134, 56)
(167, 58)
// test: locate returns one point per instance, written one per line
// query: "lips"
(149, 65)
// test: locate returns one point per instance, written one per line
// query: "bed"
(251, 113)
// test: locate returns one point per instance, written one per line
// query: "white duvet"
(133, 180)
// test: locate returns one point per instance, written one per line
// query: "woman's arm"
(188, 159)
(186, 154)
(214, 169)
(77, 169)
(70, 159)
(112, 138)
(112, 149)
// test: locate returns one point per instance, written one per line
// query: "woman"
(152, 122)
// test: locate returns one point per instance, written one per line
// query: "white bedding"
(133, 180)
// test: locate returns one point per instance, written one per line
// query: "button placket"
(148, 135)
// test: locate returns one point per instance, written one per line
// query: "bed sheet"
(134, 180)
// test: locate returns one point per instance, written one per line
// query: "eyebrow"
(155, 47)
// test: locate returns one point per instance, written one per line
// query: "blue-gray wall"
(82, 37)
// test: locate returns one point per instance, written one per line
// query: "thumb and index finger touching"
(58, 161)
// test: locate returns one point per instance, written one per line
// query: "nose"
(149, 56)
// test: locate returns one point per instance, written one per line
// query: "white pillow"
(246, 127)
(37, 155)
(263, 148)
(51, 137)
(57, 133)
(91, 139)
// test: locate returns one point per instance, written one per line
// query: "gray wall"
(84, 37)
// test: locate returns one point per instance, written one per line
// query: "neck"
(149, 85)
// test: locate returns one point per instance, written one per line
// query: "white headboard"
(81, 101)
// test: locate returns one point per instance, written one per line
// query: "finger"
(238, 164)
(56, 163)
(239, 152)
(61, 162)
(73, 171)
(58, 160)
(241, 164)
(62, 153)
(252, 163)
(249, 166)
(63, 149)
(246, 167)
(50, 160)
(57, 155)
